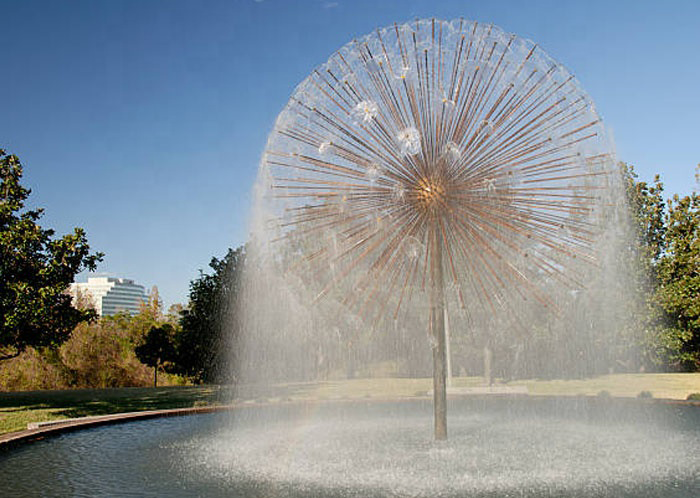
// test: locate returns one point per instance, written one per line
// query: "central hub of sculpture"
(431, 193)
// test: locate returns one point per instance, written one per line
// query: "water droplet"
(325, 148)
(402, 72)
(365, 111)
(409, 141)
(514, 179)
(339, 203)
(374, 171)
(378, 222)
(486, 127)
(373, 66)
(398, 192)
(412, 248)
(452, 151)
(449, 104)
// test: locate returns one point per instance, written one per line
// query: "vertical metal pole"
(447, 347)
(437, 318)
(488, 368)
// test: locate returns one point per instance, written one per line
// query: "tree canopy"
(668, 273)
(36, 269)
(679, 279)
(158, 347)
(208, 326)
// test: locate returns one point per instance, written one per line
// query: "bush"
(693, 397)
(101, 355)
(645, 395)
(32, 370)
(97, 355)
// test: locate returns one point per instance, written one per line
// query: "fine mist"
(441, 199)
(290, 334)
(523, 195)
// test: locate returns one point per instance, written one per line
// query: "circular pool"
(497, 447)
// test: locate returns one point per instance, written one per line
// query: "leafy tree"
(679, 275)
(646, 210)
(174, 313)
(150, 315)
(157, 348)
(207, 324)
(35, 271)
(153, 307)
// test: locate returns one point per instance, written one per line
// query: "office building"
(111, 295)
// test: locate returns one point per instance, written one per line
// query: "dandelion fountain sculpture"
(431, 158)
(429, 169)
(433, 167)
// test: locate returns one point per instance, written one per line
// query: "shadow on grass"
(86, 402)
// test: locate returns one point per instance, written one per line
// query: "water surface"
(534, 448)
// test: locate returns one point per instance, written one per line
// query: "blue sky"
(143, 121)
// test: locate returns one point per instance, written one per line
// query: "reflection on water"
(496, 448)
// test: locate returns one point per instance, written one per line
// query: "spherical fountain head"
(454, 133)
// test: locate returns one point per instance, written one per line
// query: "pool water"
(497, 447)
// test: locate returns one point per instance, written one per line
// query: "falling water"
(428, 168)
(431, 138)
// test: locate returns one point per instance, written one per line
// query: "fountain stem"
(437, 325)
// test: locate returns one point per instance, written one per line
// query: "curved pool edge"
(38, 431)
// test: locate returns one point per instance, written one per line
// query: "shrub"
(101, 355)
(693, 397)
(645, 395)
(97, 355)
(32, 370)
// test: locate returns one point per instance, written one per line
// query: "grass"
(664, 386)
(661, 386)
(19, 408)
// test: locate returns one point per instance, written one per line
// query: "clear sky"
(143, 121)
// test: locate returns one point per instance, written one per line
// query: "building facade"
(111, 295)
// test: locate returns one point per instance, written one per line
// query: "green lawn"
(18, 409)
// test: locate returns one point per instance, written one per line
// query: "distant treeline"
(48, 342)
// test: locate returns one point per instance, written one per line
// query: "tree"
(647, 319)
(647, 209)
(157, 348)
(668, 273)
(207, 324)
(679, 275)
(35, 271)
(174, 313)
(150, 315)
